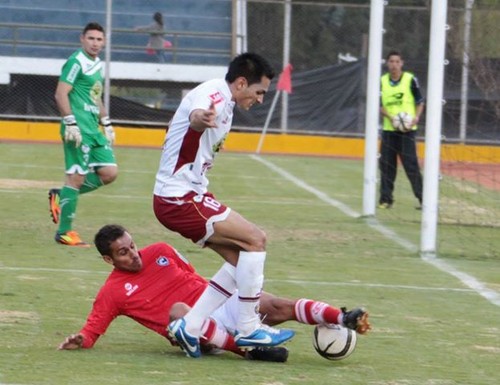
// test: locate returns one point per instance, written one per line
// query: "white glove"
(108, 129)
(72, 131)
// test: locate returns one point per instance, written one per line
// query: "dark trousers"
(400, 144)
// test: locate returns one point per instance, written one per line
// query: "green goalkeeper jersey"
(85, 75)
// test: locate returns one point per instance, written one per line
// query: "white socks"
(248, 278)
(219, 289)
(249, 281)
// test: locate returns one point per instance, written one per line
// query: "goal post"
(372, 106)
(433, 127)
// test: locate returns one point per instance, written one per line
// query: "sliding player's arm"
(104, 311)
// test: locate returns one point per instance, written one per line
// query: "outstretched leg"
(276, 310)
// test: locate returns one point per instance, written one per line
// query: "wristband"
(69, 120)
(105, 121)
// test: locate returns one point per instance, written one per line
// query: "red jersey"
(145, 296)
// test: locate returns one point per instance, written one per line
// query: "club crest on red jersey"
(162, 261)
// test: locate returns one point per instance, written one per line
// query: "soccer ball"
(402, 122)
(334, 342)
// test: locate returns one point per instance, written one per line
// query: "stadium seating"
(201, 18)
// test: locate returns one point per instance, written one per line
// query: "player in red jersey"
(156, 284)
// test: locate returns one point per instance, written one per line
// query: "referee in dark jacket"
(400, 92)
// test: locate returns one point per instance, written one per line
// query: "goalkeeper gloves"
(108, 129)
(72, 131)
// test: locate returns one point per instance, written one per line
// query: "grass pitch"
(429, 328)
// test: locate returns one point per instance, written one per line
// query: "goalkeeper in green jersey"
(88, 154)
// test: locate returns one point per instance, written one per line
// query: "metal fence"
(322, 36)
(186, 47)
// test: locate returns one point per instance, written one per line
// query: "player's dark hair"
(158, 17)
(93, 26)
(251, 66)
(394, 53)
(106, 236)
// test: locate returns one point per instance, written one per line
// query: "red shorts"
(192, 215)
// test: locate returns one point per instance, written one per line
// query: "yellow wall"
(247, 142)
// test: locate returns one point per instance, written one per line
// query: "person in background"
(157, 42)
(88, 153)
(400, 92)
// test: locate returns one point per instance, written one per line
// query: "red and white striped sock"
(312, 312)
(212, 334)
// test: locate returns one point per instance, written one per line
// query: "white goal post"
(433, 124)
(433, 118)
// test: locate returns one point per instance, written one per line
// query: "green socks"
(69, 198)
(92, 182)
(67, 201)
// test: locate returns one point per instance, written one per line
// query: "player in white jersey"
(183, 204)
(88, 153)
(188, 154)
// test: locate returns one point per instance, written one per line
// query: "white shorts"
(226, 316)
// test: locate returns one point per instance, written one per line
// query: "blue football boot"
(190, 344)
(264, 336)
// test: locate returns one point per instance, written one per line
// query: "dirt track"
(27, 183)
(487, 175)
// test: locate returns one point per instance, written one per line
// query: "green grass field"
(428, 327)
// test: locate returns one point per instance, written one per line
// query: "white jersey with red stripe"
(189, 154)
